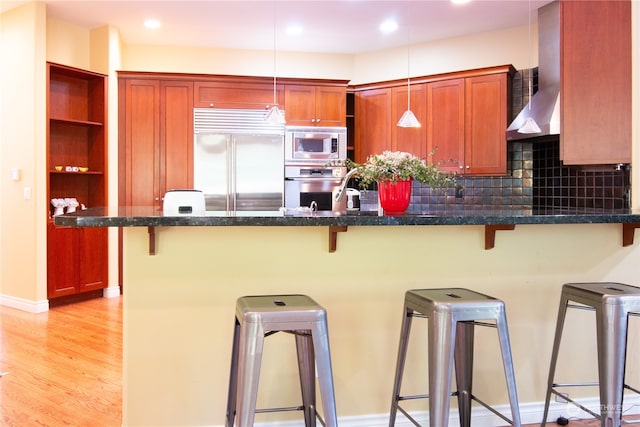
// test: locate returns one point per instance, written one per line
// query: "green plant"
(398, 165)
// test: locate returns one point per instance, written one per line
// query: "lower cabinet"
(76, 260)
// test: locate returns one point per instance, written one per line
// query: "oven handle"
(313, 179)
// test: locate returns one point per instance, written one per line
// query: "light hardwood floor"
(64, 367)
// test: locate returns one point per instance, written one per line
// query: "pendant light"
(275, 116)
(529, 125)
(408, 119)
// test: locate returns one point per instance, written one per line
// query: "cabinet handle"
(467, 167)
(461, 167)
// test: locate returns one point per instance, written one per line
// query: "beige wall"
(22, 136)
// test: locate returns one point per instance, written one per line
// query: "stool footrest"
(285, 409)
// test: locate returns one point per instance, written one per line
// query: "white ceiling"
(332, 26)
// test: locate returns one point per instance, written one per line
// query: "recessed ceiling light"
(388, 26)
(294, 30)
(152, 23)
(460, 1)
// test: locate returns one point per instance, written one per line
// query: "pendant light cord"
(274, 52)
(530, 61)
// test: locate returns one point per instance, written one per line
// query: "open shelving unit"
(76, 138)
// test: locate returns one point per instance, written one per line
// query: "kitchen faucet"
(343, 184)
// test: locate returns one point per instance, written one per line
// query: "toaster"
(183, 202)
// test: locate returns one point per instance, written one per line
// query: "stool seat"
(612, 303)
(452, 314)
(262, 315)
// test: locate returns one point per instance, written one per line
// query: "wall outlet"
(562, 397)
(459, 192)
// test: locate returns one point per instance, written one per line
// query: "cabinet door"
(142, 137)
(62, 261)
(91, 262)
(411, 140)
(486, 120)
(373, 121)
(331, 106)
(446, 123)
(256, 96)
(595, 82)
(176, 136)
(300, 105)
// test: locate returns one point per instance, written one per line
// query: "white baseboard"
(43, 306)
(24, 304)
(111, 292)
(530, 413)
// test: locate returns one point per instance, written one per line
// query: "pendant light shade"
(275, 116)
(529, 126)
(408, 119)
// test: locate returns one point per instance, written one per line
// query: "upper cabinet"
(595, 67)
(463, 117)
(255, 93)
(315, 105)
(156, 138)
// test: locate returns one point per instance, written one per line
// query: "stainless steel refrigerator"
(238, 160)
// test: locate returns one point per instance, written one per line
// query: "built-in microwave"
(315, 144)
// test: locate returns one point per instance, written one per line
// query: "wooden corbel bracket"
(333, 236)
(152, 240)
(490, 233)
(628, 230)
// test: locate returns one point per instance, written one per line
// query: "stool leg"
(507, 362)
(402, 354)
(463, 355)
(250, 358)
(441, 347)
(233, 377)
(306, 368)
(320, 336)
(612, 342)
(562, 311)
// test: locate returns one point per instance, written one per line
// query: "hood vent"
(544, 106)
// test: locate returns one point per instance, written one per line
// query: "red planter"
(394, 196)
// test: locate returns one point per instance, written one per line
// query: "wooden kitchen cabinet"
(410, 140)
(445, 123)
(463, 116)
(373, 122)
(487, 102)
(595, 82)
(315, 105)
(156, 139)
(76, 137)
(237, 92)
(466, 121)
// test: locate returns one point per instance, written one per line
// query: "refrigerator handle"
(227, 175)
(233, 174)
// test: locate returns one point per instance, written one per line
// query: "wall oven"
(305, 185)
(317, 145)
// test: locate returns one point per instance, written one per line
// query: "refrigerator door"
(258, 172)
(212, 169)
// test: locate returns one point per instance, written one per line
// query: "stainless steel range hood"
(544, 106)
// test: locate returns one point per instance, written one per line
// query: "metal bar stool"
(452, 315)
(613, 304)
(260, 316)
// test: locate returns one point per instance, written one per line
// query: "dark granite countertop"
(149, 217)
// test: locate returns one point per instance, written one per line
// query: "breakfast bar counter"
(179, 305)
